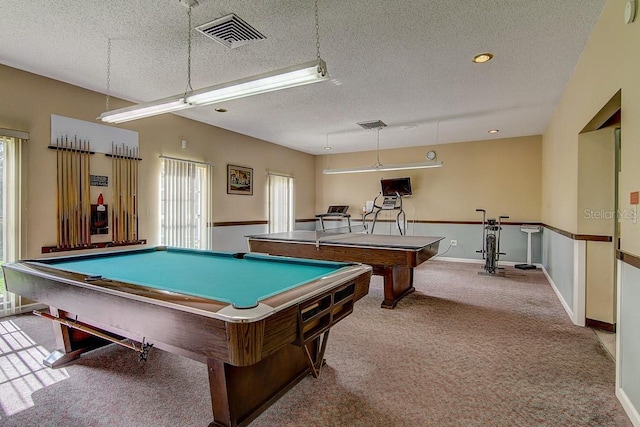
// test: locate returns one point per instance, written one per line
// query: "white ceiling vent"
(230, 31)
(376, 124)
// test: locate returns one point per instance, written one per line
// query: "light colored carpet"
(464, 350)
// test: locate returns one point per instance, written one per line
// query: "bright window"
(11, 187)
(186, 196)
(281, 216)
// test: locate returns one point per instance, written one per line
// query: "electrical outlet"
(454, 243)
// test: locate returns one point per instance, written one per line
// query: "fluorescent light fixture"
(383, 168)
(147, 109)
(296, 75)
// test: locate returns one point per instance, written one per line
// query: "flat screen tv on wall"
(396, 186)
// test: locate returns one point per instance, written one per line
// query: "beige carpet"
(465, 350)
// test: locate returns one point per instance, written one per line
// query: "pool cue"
(119, 166)
(76, 186)
(115, 193)
(65, 225)
(125, 194)
(66, 191)
(120, 201)
(83, 193)
(130, 194)
(72, 194)
(57, 195)
(85, 196)
(131, 202)
(113, 185)
(116, 199)
(133, 345)
(126, 191)
(88, 187)
(135, 194)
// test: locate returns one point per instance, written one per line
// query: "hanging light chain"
(317, 30)
(189, 88)
(378, 150)
(108, 95)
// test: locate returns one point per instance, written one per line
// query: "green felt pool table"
(259, 322)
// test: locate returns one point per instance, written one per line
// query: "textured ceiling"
(406, 62)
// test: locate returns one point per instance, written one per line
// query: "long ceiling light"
(147, 109)
(384, 168)
(296, 75)
(379, 167)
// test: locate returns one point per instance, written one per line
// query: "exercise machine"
(389, 203)
(491, 241)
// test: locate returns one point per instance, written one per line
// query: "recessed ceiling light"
(327, 148)
(482, 57)
(493, 130)
(221, 110)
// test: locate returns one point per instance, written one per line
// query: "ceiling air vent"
(230, 31)
(376, 124)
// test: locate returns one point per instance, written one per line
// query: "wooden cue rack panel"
(73, 204)
(73, 192)
(124, 213)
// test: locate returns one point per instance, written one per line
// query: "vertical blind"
(186, 204)
(11, 212)
(281, 215)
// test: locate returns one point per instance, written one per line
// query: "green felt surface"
(213, 275)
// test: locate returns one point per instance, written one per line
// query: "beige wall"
(28, 101)
(610, 62)
(501, 176)
(596, 182)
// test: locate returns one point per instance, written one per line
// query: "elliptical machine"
(491, 241)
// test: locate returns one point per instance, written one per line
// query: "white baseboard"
(566, 306)
(631, 410)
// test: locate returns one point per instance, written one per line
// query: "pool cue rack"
(124, 211)
(142, 348)
(73, 206)
(316, 317)
(73, 191)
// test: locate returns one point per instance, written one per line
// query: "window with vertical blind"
(281, 215)
(11, 189)
(186, 204)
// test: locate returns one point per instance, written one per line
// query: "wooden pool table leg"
(240, 393)
(398, 282)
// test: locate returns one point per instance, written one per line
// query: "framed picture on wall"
(239, 180)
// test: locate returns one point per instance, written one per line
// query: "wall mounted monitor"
(396, 186)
